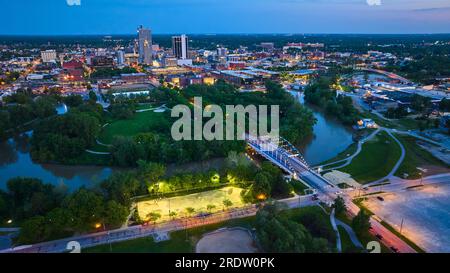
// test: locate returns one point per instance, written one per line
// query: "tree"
(126, 152)
(86, 207)
(444, 105)
(5, 123)
(150, 171)
(172, 214)
(44, 106)
(278, 234)
(339, 206)
(114, 214)
(34, 230)
(361, 222)
(227, 203)
(190, 210)
(92, 96)
(122, 186)
(153, 216)
(73, 100)
(210, 207)
(262, 186)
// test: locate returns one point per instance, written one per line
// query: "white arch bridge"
(284, 155)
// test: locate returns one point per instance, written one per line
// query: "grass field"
(344, 154)
(140, 122)
(415, 157)
(197, 201)
(346, 242)
(376, 160)
(298, 187)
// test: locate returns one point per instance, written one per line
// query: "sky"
(59, 17)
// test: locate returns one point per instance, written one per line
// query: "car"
(394, 249)
(380, 198)
(379, 236)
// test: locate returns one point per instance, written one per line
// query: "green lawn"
(140, 122)
(346, 242)
(298, 187)
(376, 160)
(342, 155)
(415, 157)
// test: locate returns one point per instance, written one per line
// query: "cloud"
(374, 2)
(73, 2)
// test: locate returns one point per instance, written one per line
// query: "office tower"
(222, 52)
(145, 45)
(120, 57)
(48, 56)
(180, 46)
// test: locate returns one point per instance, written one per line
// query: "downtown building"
(48, 56)
(145, 45)
(180, 49)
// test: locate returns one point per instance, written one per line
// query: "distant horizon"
(112, 17)
(230, 33)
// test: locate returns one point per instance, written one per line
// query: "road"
(397, 184)
(139, 231)
(327, 193)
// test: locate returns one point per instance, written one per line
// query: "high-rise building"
(120, 57)
(180, 46)
(145, 45)
(222, 51)
(48, 56)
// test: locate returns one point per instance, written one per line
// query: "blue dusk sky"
(58, 17)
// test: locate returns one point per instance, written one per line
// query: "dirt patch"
(235, 240)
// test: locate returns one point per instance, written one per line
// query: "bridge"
(284, 155)
(387, 74)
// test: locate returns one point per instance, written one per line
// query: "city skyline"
(201, 16)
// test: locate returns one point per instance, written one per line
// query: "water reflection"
(15, 160)
(330, 136)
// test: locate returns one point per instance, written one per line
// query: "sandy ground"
(233, 240)
(197, 201)
(425, 213)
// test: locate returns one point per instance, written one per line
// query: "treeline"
(157, 145)
(46, 212)
(65, 137)
(341, 107)
(280, 232)
(112, 72)
(425, 69)
(23, 107)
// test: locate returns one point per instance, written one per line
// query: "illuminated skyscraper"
(145, 45)
(180, 47)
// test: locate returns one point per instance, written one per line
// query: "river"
(15, 160)
(330, 138)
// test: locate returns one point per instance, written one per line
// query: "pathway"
(397, 164)
(349, 159)
(338, 235)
